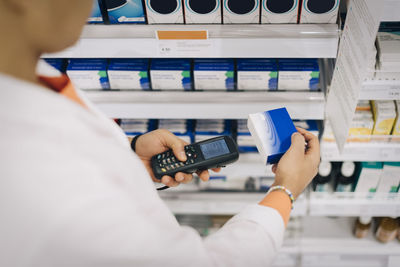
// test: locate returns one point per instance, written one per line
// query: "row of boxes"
(197, 74)
(198, 130)
(214, 11)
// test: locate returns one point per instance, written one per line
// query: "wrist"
(134, 142)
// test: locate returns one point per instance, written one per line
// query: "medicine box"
(257, 74)
(214, 74)
(390, 178)
(164, 11)
(57, 63)
(181, 128)
(279, 11)
(298, 74)
(309, 125)
(206, 129)
(90, 74)
(244, 139)
(369, 177)
(241, 11)
(272, 131)
(133, 127)
(126, 74)
(384, 115)
(319, 11)
(361, 126)
(125, 11)
(171, 74)
(396, 127)
(95, 16)
(203, 11)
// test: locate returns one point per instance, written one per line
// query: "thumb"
(177, 146)
(298, 143)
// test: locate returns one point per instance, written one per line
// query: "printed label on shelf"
(384, 91)
(182, 35)
(361, 27)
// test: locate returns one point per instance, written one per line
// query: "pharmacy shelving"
(391, 10)
(374, 89)
(374, 151)
(354, 204)
(234, 41)
(206, 105)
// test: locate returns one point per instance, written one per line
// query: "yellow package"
(384, 116)
(361, 127)
(396, 128)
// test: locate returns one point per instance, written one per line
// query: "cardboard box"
(396, 127)
(361, 126)
(125, 11)
(257, 74)
(384, 115)
(390, 178)
(88, 74)
(369, 177)
(272, 131)
(127, 73)
(278, 11)
(95, 16)
(241, 11)
(206, 129)
(171, 74)
(298, 74)
(214, 74)
(204, 12)
(319, 11)
(181, 128)
(160, 12)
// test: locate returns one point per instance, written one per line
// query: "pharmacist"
(72, 192)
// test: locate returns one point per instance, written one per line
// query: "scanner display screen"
(214, 149)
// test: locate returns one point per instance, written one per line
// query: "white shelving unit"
(391, 10)
(234, 41)
(206, 105)
(380, 90)
(361, 152)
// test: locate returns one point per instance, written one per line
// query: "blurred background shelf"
(232, 41)
(206, 105)
(380, 90)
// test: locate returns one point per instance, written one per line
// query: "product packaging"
(369, 177)
(387, 229)
(257, 74)
(89, 74)
(164, 11)
(241, 11)
(361, 126)
(384, 116)
(171, 74)
(390, 178)
(181, 128)
(272, 131)
(125, 11)
(396, 127)
(322, 182)
(319, 11)
(245, 141)
(214, 74)
(363, 224)
(346, 177)
(206, 129)
(95, 16)
(58, 63)
(278, 11)
(133, 127)
(298, 74)
(126, 74)
(203, 11)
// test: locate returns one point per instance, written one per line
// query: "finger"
(298, 144)
(169, 181)
(216, 169)
(176, 144)
(183, 177)
(312, 143)
(204, 175)
(274, 167)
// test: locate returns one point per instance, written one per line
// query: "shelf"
(361, 152)
(354, 204)
(391, 10)
(380, 90)
(232, 41)
(206, 105)
(218, 203)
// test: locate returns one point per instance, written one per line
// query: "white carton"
(159, 12)
(278, 11)
(369, 177)
(319, 11)
(203, 11)
(241, 11)
(390, 178)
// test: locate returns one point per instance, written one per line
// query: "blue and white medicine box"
(241, 11)
(206, 129)
(88, 73)
(203, 12)
(184, 129)
(57, 63)
(298, 74)
(125, 11)
(244, 140)
(272, 132)
(171, 74)
(257, 74)
(127, 73)
(164, 11)
(214, 74)
(96, 16)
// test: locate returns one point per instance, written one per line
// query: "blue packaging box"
(125, 11)
(214, 74)
(184, 129)
(96, 16)
(272, 132)
(88, 74)
(206, 129)
(298, 74)
(309, 125)
(171, 74)
(257, 74)
(244, 139)
(127, 73)
(57, 63)
(133, 127)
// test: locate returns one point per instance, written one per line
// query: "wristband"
(133, 143)
(284, 189)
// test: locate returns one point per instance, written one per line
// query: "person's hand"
(161, 140)
(299, 164)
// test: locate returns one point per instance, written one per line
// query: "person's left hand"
(158, 141)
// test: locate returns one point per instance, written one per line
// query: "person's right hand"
(299, 164)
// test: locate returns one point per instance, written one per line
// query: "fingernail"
(179, 178)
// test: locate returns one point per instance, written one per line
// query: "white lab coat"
(72, 193)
